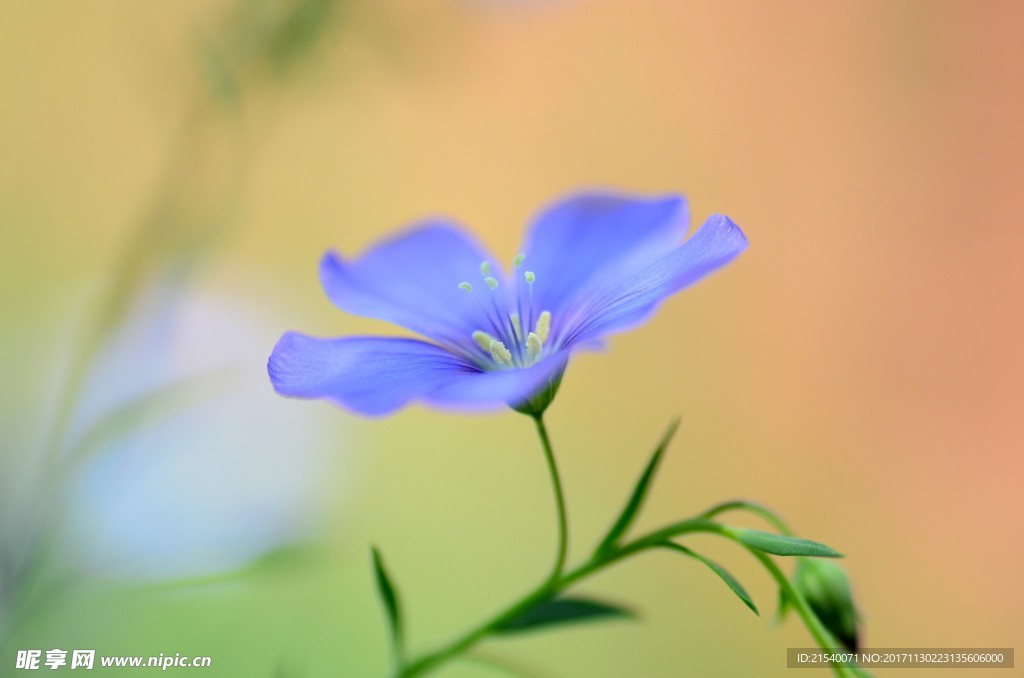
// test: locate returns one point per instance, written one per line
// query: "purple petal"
(367, 374)
(378, 375)
(413, 281)
(593, 236)
(618, 302)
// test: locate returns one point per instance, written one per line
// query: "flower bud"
(827, 589)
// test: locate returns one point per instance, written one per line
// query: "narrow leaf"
(153, 406)
(729, 580)
(636, 500)
(780, 545)
(286, 560)
(389, 597)
(784, 606)
(562, 611)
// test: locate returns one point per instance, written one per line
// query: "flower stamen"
(533, 346)
(507, 321)
(544, 326)
(516, 325)
(483, 339)
(512, 343)
(491, 321)
(500, 353)
(530, 278)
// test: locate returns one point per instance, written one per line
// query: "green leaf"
(295, 559)
(729, 580)
(779, 545)
(287, 560)
(562, 611)
(636, 500)
(389, 597)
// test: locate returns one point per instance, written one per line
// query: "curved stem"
(550, 588)
(822, 635)
(751, 507)
(559, 579)
(551, 585)
(556, 483)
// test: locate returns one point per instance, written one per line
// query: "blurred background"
(170, 174)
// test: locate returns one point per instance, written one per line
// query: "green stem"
(559, 580)
(751, 507)
(551, 588)
(545, 590)
(556, 483)
(465, 642)
(822, 635)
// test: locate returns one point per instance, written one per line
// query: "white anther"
(533, 346)
(544, 326)
(483, 340)
(500, 354)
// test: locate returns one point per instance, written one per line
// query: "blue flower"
(592, 265)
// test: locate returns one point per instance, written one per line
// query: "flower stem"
(821, 634)
(556, 483)
(559, 579)
(548, 588)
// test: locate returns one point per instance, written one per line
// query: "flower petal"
(621, 301)
(591, 236)
(378, 375)
(413, 281)
(370, 375)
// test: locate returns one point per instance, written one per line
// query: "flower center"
(510, 342)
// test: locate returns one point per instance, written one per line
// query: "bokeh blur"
(170, 174)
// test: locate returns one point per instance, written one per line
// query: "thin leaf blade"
(783, 608)
(636, 500)
(563, 611)
(722, 573)
(389, 597)
(781, 545)
(151, 407)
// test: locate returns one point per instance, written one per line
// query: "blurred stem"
(259, 44)
(556, 483)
